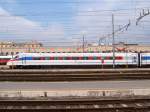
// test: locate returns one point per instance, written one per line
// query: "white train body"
(47, 59)
(145, 59)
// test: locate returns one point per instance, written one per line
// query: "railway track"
(47, 75)
(126, 104)
(74, 77)
(72, 71)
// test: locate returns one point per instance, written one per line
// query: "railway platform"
(76, 89)
(104, 96)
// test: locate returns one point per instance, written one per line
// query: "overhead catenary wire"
(85, 13)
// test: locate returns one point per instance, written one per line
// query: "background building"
(11, 48)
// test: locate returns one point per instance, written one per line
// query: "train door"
(136, 59)
(139, 60)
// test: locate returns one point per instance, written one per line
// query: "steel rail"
(72, 71)
(74, 77)
(109, 105)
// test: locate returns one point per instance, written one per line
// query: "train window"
(55, 58)
(42, 58)
(69, 58)
(60, 58)
(108, 58)
(99, 58)
(16, 57)
(80, 58)
(47, 58)
(103, 58)
(111, 58)
(74, 58)
(50, 58)
(85, 58)
(64, 58)
(134, 59)
(118, 58)
(90, 58)
(94, 58)
(36, 58)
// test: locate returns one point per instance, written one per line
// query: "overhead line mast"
(113, 36)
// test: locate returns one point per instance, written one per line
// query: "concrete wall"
(75, 93)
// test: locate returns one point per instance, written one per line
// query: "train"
(4, 59)
(42, 60)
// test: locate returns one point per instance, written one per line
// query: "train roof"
(9, 56)
(73, 54)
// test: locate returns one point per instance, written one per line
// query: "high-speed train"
(22, 60)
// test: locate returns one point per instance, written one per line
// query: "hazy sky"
(67, 20)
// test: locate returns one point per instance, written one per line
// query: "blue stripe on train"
(26, 58)
(146, 58)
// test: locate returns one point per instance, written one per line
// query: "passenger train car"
(4, 59)
(145, 59)
(73, 59)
